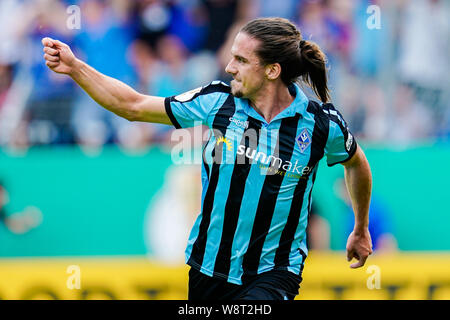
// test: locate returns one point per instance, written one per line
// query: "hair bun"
(302, 44)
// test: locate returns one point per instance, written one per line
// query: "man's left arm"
(358, 179)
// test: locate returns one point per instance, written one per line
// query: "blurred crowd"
(390, 79)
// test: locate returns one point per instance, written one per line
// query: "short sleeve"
(196, 106)
(341, 144)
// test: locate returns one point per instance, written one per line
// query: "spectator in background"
(424, 46)
(276, 8)
(104, 39)
(410, 120)
(171, 76)
(189, 22)
(363, 60)
(380, 220)
(318, 231)
(48, 109)
(172, 212)
(13, 128)
(245, 12)
(153, 19)
(177, 71)
(10, 10)
(19, 222)
(371, 53)
(223, 16)
(144, 61)
(313, 19)
(5, 81)
(374, 102)
(351, 101)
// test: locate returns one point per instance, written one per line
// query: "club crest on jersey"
(303, 140)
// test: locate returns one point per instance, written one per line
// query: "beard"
(236, 92)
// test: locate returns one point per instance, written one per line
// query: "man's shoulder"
(216, 86)
(324, 110)
(320, 108)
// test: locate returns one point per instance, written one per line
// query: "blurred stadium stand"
(101, 182)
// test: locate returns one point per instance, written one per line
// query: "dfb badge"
(303, 140)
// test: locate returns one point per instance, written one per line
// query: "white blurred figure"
(10, 10)
(18, 222)
(171, 214)
(425, 43)
(424, 48)
(410, 121)
(375, 125)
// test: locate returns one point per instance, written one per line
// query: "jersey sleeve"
(341, 144)
(197, 106)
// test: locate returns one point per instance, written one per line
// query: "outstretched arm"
(110, 93)
(358, 178)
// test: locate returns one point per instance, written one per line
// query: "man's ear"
(273, 71)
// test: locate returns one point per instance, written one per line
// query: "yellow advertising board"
(326, 276)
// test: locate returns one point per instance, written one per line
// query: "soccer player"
(260, 163)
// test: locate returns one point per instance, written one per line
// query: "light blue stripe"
(220, 198)
(253, 188)
(202, 108)
(283, 205)
(205, 182)
(295, 258)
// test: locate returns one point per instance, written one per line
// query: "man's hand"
(359, 246)
(58, 56)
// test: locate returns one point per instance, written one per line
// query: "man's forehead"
(244, 45)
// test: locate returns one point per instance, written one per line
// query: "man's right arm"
(110, 93)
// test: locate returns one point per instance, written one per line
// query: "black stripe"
(215, 87)
(211, 88)
(303, 260)
(220, 124)
(344, 128)
(205, 163)
(287, 236)
(268, 197)
(310, 193)
(242, 165)
(310, 206)
(318, 142)
(170, 113)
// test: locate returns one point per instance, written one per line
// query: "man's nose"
(230, 68)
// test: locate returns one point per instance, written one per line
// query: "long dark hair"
(281, 42)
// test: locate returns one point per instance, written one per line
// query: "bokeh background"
(90, 199)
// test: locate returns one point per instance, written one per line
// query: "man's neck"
(271, 100)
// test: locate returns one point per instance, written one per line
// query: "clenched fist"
(58, 56)
(359, 246)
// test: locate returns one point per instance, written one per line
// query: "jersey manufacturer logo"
(303, 140)
(239, 123)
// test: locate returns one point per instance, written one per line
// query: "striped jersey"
(257, 178)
